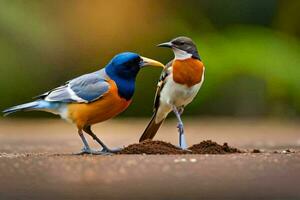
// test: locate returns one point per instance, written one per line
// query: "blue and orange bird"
(179, 83)
(94, 97)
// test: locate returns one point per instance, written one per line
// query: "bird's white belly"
(178, 95)
(174, 94)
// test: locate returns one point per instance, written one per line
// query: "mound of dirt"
(210, 147)
(152, 147)
(160, 147)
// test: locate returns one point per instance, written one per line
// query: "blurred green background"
(251, 49)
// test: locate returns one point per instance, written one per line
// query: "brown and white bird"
(178, 85)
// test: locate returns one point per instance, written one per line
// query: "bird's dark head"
(183, 47)
(127, 65)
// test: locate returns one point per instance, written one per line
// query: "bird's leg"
(105, 149)
(86, 148)
(180, 110)
(182, 142)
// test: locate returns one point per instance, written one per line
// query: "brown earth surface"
(37, 161)
(161, 147)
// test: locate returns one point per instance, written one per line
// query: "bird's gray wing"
(84, 89)
(165, 73)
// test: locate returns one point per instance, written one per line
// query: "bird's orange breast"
(108, 106)
(188, 72)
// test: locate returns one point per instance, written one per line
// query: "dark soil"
(210, 147)
(256, 151)
(152, 147)
(160, 147)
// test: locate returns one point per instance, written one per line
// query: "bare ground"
(36, 162)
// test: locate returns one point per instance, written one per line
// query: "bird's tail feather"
(151, 129)
(35, 105)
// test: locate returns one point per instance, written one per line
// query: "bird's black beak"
(166, 44)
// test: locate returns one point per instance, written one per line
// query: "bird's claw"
(111, 151)
(183, 145)
(84, 151)
(104, 151)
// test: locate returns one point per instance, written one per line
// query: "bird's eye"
(138, 60)
(132, 63)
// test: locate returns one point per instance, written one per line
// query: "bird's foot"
(183, 145)
(85, 150)
(104, 151)
(109, 151)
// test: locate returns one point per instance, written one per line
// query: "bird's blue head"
(123, 69)
(124, 65)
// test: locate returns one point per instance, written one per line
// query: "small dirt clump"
(160, 147)
(210, 147)
(256, 151)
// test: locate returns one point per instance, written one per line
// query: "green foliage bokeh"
(250, 49)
